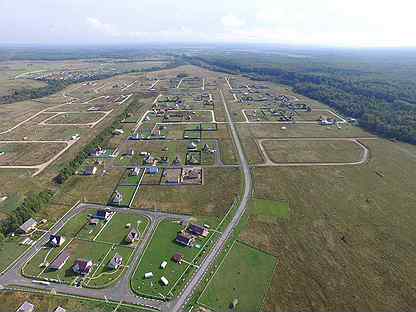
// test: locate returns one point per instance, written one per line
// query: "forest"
(377, 90)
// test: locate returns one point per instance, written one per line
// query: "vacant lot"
(75, 118)
(350, 241)
(28, 154)
(9, 87)
(244, 275)
(307, 151)
(219, 183)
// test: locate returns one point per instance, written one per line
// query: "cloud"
(230, 21)
(103, 28)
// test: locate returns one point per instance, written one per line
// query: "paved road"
(178, 304)
(120, 291)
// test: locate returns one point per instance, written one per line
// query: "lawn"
(94, 251)
(10, 249)
(127, 192)
(161, 248)
(244, 274)
(117, 229)
(102, 275)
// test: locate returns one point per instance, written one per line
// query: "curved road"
(186, 294)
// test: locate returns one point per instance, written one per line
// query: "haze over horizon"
(351, 23)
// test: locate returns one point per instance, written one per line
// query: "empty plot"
(244, 276)
(28, 153)
(269, 211)
(74, 118)
(312, 151)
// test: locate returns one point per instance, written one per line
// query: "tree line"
(382, 105)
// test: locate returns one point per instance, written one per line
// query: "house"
(185, 239)
(59, 309)
(327, 121)
(90, 170)
(132, 236)
(118, 197)
(82, 266)
(176, 161)
(115, 262)
(26, 307)
(177, 258)
(134, 171)
(152, 170)
(149, 160)
(60, 261)
(56, 240)
(198, 230)
(164, 281)
(97, 152)
(163, 264)
(192, 146)
(103, 214)
(28, 226)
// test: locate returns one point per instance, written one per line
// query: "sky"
(339, 23)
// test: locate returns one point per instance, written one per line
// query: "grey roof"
(25, 227)
(26, 307)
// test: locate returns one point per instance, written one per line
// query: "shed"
(163, 265)
(164, 281)
(148, 275)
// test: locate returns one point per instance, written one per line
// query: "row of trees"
(30, 206)
(383, 106)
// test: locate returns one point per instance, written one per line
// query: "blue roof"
(152, 169)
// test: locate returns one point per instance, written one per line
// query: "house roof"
(28, 225)
(60, 261)
(102, 214)
(59, 309)
(177, 257)
(26, 307)
(83, 265)
(184, 239)
(55, 239)
(197, 229)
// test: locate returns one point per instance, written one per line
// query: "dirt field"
(75, 118)
(28, 154)
(298, 151)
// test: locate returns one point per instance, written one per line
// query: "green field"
(102, 275)
(244, 274)
(268, 210)
(161, 248)
(117, 229)
(10, 249)
(127, 192)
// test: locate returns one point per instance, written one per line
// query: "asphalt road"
(178, 304)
